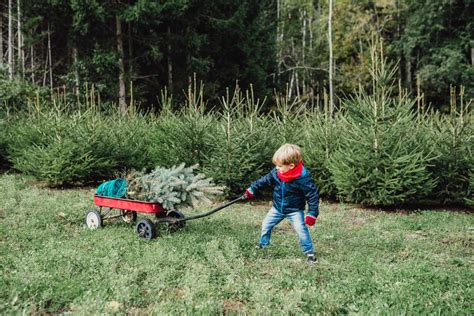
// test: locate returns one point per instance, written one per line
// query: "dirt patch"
(416, 236)
(177, 292)
(231, 306)
(356, 217)
(358, 221)
(283, 226)
(463, 241)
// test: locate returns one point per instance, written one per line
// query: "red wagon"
(128, 209)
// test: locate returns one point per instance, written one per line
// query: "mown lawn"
(370, 261)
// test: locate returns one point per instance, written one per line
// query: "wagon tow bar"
(184, 219)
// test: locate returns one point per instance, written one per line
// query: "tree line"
(130, 50)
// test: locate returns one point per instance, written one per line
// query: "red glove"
(248, 193)
(310, 220)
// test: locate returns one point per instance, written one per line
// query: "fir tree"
(454, 165)
(242, 144)
(172, 188)
(320, 139)
(383, 156)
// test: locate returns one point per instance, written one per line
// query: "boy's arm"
(266, 181)
(312, 197)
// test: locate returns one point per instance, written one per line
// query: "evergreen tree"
(242, 144)
(383, 157)
(172, 188)
(454, 164)
(320, 139)
(185, 135)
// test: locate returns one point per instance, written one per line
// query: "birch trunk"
(45, 69)
(303, 33)
(11, 67)
(331, 95)
(21, 54)
(50, 63)
(303, 85)
(76, 71)
(122, 92)
(291, 84)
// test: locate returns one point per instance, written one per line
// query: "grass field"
(369, 261)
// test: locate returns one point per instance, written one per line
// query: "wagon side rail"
(129, 205)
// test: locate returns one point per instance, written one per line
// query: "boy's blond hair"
(287, 154)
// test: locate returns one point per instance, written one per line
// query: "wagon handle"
(240, 198)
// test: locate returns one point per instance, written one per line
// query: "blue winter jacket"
(289, 197)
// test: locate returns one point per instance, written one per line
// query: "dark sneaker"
(311, 257)
(258, 247)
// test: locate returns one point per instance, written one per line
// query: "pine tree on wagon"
(173, 188)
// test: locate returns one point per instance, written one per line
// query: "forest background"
(89, 88)
(141, 47)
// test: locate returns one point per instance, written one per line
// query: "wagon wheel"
(177, 215)
(93, 219)
(146, 229)
(129, 216)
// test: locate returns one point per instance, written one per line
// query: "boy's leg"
(273, 217)
(297, 220)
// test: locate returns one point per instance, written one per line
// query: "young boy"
(292, 188)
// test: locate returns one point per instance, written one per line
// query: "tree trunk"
(408, 71)
(32, 63)
(303, 33)
(291, 84)
(11, 66)
(50, 60)
(303, 85)
(310, 27)
(130, 50)
(472, 56)
(170, 62)
(331, 96)
(76, 72)
(45, 69)
(1, 38)
(21, 54)
(278, 41)
(400, 56)
(297, 86)
(122, 91)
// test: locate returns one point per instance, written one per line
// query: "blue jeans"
(297, 221)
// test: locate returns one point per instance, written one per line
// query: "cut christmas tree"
(173, 188)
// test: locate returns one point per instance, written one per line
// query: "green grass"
(370, 261)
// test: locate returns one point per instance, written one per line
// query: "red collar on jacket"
(291, 174)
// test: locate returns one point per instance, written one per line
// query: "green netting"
(114, 188)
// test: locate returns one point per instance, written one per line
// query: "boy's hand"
(310, 220)
(248, 193)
